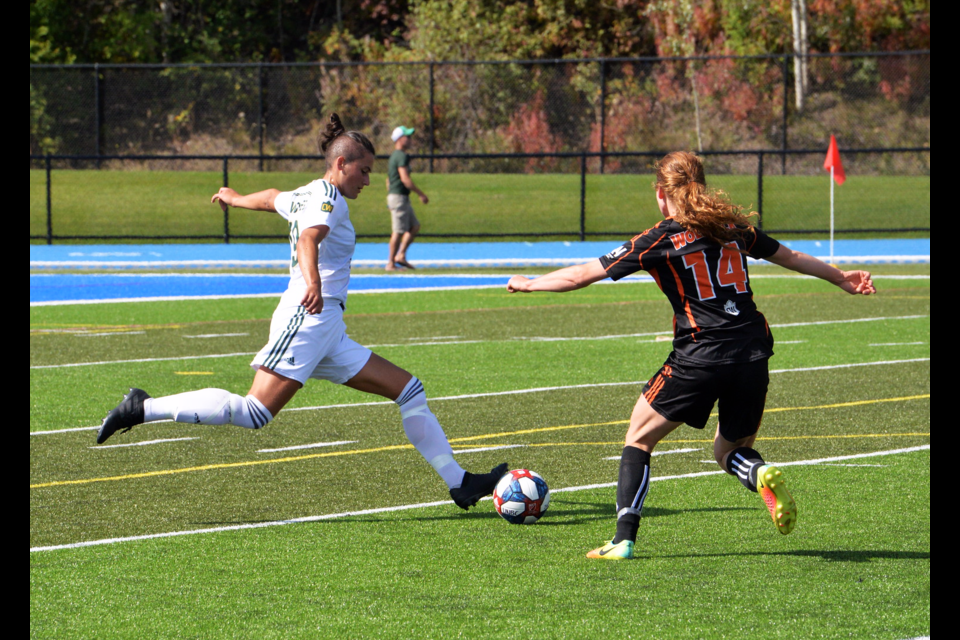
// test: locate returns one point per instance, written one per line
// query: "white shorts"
(303, 345)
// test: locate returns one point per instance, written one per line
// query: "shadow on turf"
(832, 556)
(585, 512)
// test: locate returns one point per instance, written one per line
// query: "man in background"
(405, 225)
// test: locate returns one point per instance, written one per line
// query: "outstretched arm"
(566, 279)
(260, 201)
(849, 281)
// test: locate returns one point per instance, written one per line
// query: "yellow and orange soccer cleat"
(621, 551)
(773, 490)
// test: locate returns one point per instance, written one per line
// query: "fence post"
(49, 206)
(260, 110)
(786, 88)
(603, 112)
(583, 197)
(226, 210)
(98, 110)
(432, 138)
(760, 190)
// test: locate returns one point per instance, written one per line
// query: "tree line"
(198, 31)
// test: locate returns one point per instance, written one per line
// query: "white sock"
(208, 406)
(425, 433)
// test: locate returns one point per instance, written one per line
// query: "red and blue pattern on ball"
(521, 497)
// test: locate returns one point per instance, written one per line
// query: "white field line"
(479, 262)
(424, 505)
(839, 464)
(109, 333)
(139, 444)
(661, 453)
(894, 344)
(309, 446)
(779, 464)
(533, 390)
(639, 279)
(434, 343)
(503, 446)
(90, 364)
(96, 426)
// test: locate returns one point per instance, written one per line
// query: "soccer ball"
(521, 496)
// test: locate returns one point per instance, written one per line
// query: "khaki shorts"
(402, 217)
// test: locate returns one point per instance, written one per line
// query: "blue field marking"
(422, 254)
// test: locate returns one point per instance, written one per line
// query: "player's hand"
(312, 301)
(518, 284)
(424, 199)
(857, 282)
(225, 197)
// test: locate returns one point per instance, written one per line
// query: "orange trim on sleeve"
(683, 297)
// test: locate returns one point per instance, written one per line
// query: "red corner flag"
(833, 160)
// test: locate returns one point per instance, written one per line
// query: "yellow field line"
(225, 465)
(228, 465)
(847, 404)
(701, 441)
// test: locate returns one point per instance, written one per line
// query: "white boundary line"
(432, 343)
(140, 444)
(522, 391)
(423, 505)
(473, 262)
(309, 446)
(632, 278)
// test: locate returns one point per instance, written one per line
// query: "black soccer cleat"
(475, 486)
(125, 416)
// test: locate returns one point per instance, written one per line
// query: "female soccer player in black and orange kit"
(698, 257)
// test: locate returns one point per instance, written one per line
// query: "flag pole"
(831, 214)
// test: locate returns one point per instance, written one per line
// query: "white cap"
(399, 132)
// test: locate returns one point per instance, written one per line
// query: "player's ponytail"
(709, 213)
(336, 141)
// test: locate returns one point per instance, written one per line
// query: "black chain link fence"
(596, 121)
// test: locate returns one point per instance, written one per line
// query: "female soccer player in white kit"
(307, 333)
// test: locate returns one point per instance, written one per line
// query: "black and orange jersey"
(715, 319)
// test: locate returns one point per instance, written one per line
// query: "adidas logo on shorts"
(289, 360)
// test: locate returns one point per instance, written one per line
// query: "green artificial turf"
(710, 562)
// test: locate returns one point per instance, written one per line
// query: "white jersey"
(309, 206)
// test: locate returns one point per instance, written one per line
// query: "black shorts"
(687, 393)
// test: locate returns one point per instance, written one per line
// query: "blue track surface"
(81, 288)
(422, 253)
(47, 288)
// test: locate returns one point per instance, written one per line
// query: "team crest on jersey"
(326, 206)
(731, 308)
(616, 253)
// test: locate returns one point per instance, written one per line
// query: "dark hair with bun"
(336, 141)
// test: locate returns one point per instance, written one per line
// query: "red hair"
(709, 213)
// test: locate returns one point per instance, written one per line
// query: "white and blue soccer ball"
(521, 496)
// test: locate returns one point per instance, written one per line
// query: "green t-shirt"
(397, 159)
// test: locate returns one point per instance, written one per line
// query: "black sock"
(631, 492)
(743, 463)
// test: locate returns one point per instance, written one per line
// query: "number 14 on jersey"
(730, 272)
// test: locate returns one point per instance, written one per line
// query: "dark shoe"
(475, 487)
(126, 415)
